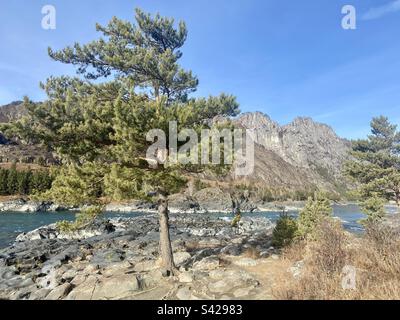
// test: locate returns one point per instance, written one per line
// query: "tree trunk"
(165, 240)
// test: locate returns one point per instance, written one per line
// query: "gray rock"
(232, 249)
(181, 258)
(246, 262)
(31, 269)
(185, 277)
(59, 292)
(208, 263)
(39, 294)
(185, 294)
(116, 287)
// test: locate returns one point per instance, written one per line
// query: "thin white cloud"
(378, 12)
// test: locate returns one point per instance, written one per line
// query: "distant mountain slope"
(11, 111)
(11, 151)
(312, 149)
(297, 156)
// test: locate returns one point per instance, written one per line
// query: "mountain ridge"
(301, 154)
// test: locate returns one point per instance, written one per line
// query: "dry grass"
(375, 257)
(252, 253)
(22, 166)
(9, 198)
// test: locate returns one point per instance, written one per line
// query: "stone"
(48, 282)
(116, 287)
(185, 277)
(39, 294)
(221, 286)
(69, 275)
(91, 268)
(242, 292)
(246, 262)
(181, 258)
(123, 263)
(144, 266)
(23, 293)
(60, 292)
(207, 263)
(232, 277)
(84, 291)
(232, 250)
(78, 279)
(107, 257)
(185, 294)
(119, 268)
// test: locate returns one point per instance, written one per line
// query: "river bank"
(19, 205)
(14, 223)
(118, 259)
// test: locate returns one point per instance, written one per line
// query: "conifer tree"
(98, 128)
(316, 208)
(375, 166)
(3, 182)
(23, 182)
(12, 181)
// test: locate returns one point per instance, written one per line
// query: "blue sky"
(284, 58)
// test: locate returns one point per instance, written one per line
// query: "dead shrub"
(375, 257)
(330, 247)
(252, 253)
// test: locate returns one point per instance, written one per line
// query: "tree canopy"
(98, 128)
(375, 166)
(128, 82)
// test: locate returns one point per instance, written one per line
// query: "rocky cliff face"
(302, 152)
(299, 155)
(11, 112)
(8, 113)
(12, 151)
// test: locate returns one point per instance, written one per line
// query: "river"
(13, 223)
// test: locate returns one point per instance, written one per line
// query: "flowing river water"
(13, 223)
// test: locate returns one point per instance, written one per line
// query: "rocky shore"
(204, 202)
(118, 259)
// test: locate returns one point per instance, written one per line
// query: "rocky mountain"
(11, 111)
(297, 156)
(12, 151)
(303, 152)
(8, 113)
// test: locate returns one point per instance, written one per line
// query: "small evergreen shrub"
(284, 232)
(316, 208)
(374, 208)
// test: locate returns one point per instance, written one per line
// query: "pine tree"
(374, 208)
(3, 182)
(316, 208)
(376, 162)
(98, 128)
(12, 181)
(285, 231)
(23, 182)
